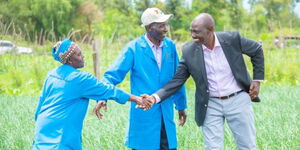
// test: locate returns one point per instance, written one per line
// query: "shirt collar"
(151, 44)
(217, 43)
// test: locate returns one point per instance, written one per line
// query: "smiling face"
(76, 59)
(202, 29)
(157, 31)
(200, 32)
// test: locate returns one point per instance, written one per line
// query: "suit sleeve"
(180, 95)
(181, 75)
(92, 88)
(122, 65)
(255, 52)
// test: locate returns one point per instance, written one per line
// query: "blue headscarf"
(60, 49)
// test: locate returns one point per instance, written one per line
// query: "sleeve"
(118, 70)
(41, 101)
(255, 52)
(180, 95)
(181, 75)
(92, 88)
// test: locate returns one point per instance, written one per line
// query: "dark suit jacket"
(192, 63)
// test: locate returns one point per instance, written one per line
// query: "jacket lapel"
(147, 49)
(200, 60)
(227, 51)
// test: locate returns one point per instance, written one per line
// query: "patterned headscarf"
(62, 50)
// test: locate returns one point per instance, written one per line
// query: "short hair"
(206, 19)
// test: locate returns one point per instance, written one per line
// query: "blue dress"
(63, 105)
(144, 127)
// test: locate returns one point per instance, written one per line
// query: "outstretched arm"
(115, 75)
(181, 75)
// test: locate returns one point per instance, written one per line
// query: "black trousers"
(164, 145)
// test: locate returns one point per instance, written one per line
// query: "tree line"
(51, 20)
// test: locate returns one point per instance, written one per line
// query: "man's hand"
(254, 89)
(182, 117)
(150, 100)
(140, 102)
(101, 104)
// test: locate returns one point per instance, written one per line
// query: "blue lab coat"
(144, 127)
(63, 105)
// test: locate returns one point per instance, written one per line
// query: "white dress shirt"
(221, 81)
(157, 51)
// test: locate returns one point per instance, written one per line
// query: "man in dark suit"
(224, 89)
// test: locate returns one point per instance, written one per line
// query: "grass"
(24, 74)
(277, 123)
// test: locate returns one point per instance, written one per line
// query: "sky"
(297, 9)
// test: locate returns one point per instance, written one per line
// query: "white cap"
(151, 15)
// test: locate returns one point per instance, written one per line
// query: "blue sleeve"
(41, 100)
(92, 88)
(180, 96)
(122, 65)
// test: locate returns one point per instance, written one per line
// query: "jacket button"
(207, 91)
(205, 105)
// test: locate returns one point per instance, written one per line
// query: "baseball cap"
(151, 15)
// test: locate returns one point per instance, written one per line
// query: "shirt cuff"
(157, 99)
(259, 80)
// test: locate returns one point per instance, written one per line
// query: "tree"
(53, 15)
(235, 13)
(217, 8)
(91, 13)
(279, 13)
(141, 5)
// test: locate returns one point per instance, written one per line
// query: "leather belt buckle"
(228, 96)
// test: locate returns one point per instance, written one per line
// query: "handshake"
(144, 101)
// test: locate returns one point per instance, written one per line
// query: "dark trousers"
(164, 145)
(163, 138)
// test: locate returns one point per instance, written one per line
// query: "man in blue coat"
(152, 61)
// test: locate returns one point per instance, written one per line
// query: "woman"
(65, 97)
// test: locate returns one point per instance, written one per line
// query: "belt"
(231, 95)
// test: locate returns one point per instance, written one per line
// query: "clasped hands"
(144, 101)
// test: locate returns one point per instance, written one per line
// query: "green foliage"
(56, 15)
(235, 12)
(25, 74)
(90, 12)
(53, 20)
(277, 13)
(218, 9)
(142, 5)
(116, 24)
(277, 123)
(281, 66)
